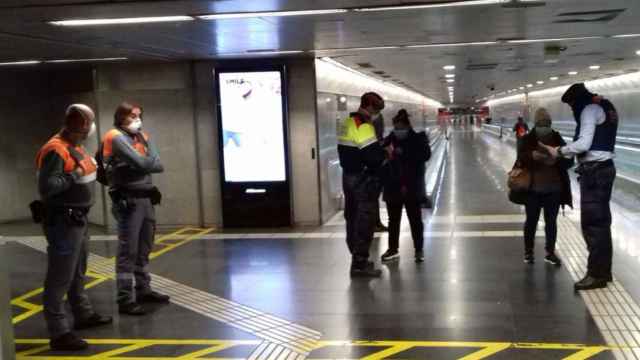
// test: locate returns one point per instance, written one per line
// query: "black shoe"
(153, 297)
(390, 255)
(553, 259)
(589, 283)
(419, 256)
(381, 228)
(131, 309)
(93, 321)
(366, 271)
(68, 342)
(528, 258)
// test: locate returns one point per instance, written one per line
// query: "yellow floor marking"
(207, 351)
(33, 351)
(587, 353)
(33, 309)
(122, 350)
(388, 352)
(213, 346)
(487, 351)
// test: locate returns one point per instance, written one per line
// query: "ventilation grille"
(365, 65)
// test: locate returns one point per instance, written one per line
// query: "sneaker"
(381, 228)
(131, 309)
(390, 255)
(419, 256)
(152, 297)
(367, 271)
(553, 259)
(68, 342)
(93, 321)
(529, 259)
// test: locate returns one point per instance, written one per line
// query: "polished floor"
(288, 295)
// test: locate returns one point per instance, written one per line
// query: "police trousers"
(361, 194)
(136, 232)
(67, 236)
(596, 184)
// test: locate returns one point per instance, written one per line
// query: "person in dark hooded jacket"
(550, 185)
(402, 187)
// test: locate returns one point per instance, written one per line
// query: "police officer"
(66, 183)
(130, 157)
(361, 155)
(594, 145)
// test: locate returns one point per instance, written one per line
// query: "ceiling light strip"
(121, 21)
(19, 63)
(223, 16)
(60, 61)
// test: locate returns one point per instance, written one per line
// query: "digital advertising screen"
(251, 107)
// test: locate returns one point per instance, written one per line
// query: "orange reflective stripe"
(61, 147)
(107, 148)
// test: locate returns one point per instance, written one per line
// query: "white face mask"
(92, 130)
(135, 126)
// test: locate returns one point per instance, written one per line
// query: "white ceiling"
(25, 34)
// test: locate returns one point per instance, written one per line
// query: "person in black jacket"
(410, 152)
(550, 185)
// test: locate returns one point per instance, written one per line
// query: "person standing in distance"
(66, 183)
(594, 146)
(130, 157)
(361, 157)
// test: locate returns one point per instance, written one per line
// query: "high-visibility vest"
(73, 156)
(107, 143)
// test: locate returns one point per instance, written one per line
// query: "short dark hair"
(402, 117)
(372, 99)
(124, 109)
(576, 92)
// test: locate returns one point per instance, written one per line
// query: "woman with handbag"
(549, 185)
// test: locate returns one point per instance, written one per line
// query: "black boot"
(131, 309)
(590, 283)
(93, 321)
(152, 297)
(68, 342)
(365, 270)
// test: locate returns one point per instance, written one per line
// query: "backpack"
(101, 171)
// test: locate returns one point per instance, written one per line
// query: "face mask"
(401, 134)
(135, 126)
(92, 130)
(543, 131)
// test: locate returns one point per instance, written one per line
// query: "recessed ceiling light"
(521, 87)
(638, 52)
(24, 62)
(84, 60)
(121, 21)
(223, 16)
(625, 35)
(450, 75)
(594, 67)
(450, 80)
(539, 82)
(449, 67)
(553, 78)
(572, 73)
(529, 85)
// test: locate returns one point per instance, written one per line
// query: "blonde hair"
(542, 117)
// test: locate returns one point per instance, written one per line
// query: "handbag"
(519, 179)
